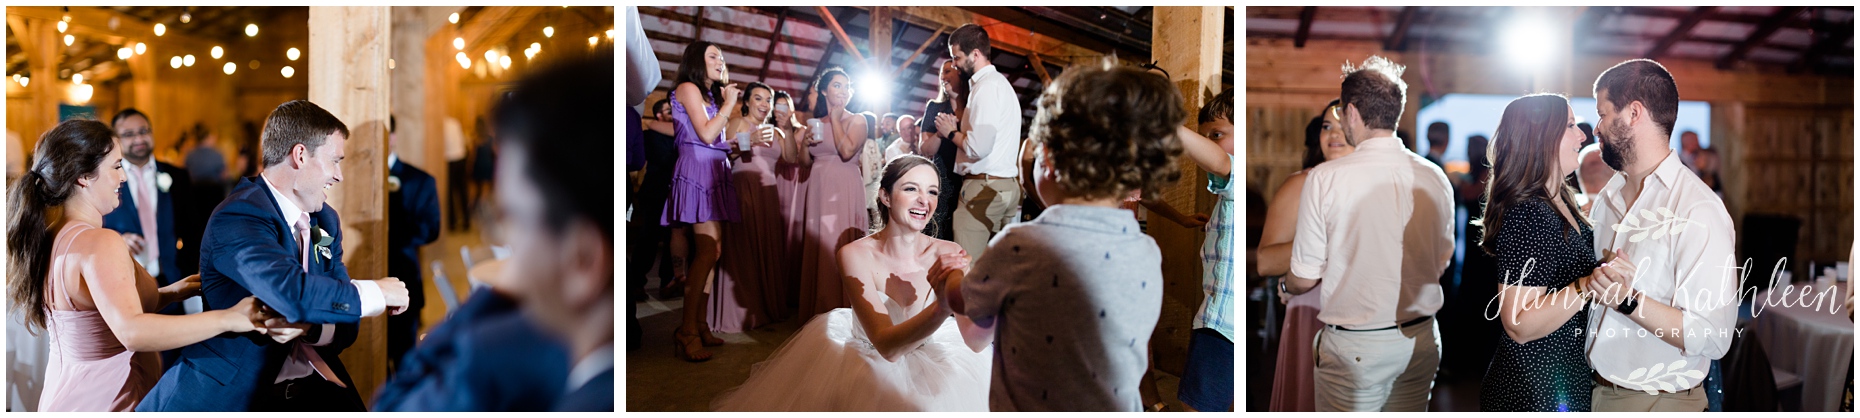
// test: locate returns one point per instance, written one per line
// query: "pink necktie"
(303, 349)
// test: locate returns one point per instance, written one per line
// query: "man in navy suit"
(146, 215)
(555, 189)
(264, 240)
(413, 221)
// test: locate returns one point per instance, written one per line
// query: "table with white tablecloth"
(1808, 340)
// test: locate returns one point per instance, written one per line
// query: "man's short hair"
(1376, 89)
(1219, 107)
(126, 112)
(560, 116)
(297, 122)
(970, 37)
(1645, 81)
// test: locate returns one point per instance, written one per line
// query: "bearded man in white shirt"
(1671, 287)
(988, 136)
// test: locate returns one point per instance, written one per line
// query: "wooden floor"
(658, 382)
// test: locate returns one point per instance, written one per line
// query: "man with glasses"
(146, 216)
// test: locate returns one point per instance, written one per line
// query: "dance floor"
(657, 382)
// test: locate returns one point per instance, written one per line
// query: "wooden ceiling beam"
(740, 30)
(768, 55)
(1304, 26)
(1836, 37)
(1760, 35)
(1398, 38)
(1041, 25)
(1681, 31)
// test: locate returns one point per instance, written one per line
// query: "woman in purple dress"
(701, 190)
(833, 192)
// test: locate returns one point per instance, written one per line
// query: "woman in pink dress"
(76, 280)
(834, 192)
(1292, 383)
(788, 175)
(747, 294)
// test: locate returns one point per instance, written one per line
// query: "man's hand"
(396, 294)
(1614, 279)
(282, 331)
(946, 124)
(135, 242)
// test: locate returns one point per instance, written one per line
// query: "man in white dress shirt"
(1671, 291)
(989, 138)
(1375, 225)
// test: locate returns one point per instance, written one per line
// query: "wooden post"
(1187, 42)
(348, 76)
(880, 36)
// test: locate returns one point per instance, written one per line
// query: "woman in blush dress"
(792, 141)
(897, 348)
(834, 192)
(702, 193)
(746, 294)
(76, 280)
(1292, 381)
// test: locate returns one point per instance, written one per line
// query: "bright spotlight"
(874, 89)
(1529, 42)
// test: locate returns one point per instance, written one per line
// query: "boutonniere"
(322, 242)
(393, 184)
(162, 180)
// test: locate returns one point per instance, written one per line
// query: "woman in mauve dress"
(833, 211)
(746, 295)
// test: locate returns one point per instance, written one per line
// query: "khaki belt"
(1602, 382)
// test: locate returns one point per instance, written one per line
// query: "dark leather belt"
(984, 177)
(1603, 382)
(1410, 323)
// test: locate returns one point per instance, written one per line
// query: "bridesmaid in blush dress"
(746, 293)
(834, 191)
(80, 285)
(789, 174)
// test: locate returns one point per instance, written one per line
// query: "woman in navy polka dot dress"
(1544, 248)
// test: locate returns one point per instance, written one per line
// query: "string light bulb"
(504, 61)
(458, 43)
(292, 53)
(125, 52)
(217, 52)
(454, 18)
(186, 17)
(77, 78)
(593, 40)
(288, 71)
(69, 39)
(62, 26)
(23, 81)
(251, 30)
(188, 60)
(160, 29)
(174, 62)
(548, 31)
(141, 48)
(464, 61)
(229, 68)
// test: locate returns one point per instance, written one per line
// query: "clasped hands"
(946, 266)
(1612, 282)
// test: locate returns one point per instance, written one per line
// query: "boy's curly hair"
(1110, 129)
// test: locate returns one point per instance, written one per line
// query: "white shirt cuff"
(325, 337)
(373, 303)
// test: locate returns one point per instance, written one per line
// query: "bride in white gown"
(897, 348)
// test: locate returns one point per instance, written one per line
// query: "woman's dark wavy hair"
(70, 151)
(1523, 154)
(1314, 137)
(820, 89)
(691, 70)
(1110, 129)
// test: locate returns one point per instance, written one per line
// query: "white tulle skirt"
(830, 365)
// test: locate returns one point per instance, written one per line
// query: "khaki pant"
(985, 207)
(1607, 399)
(1388, 370)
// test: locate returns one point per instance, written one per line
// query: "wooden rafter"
(1043, 26)
(1398, 38)
(1304, 26)
(920, 50)
(1835, 37)
(1681, 31)
(769, 55)
(840, 33)
(1760, 35)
